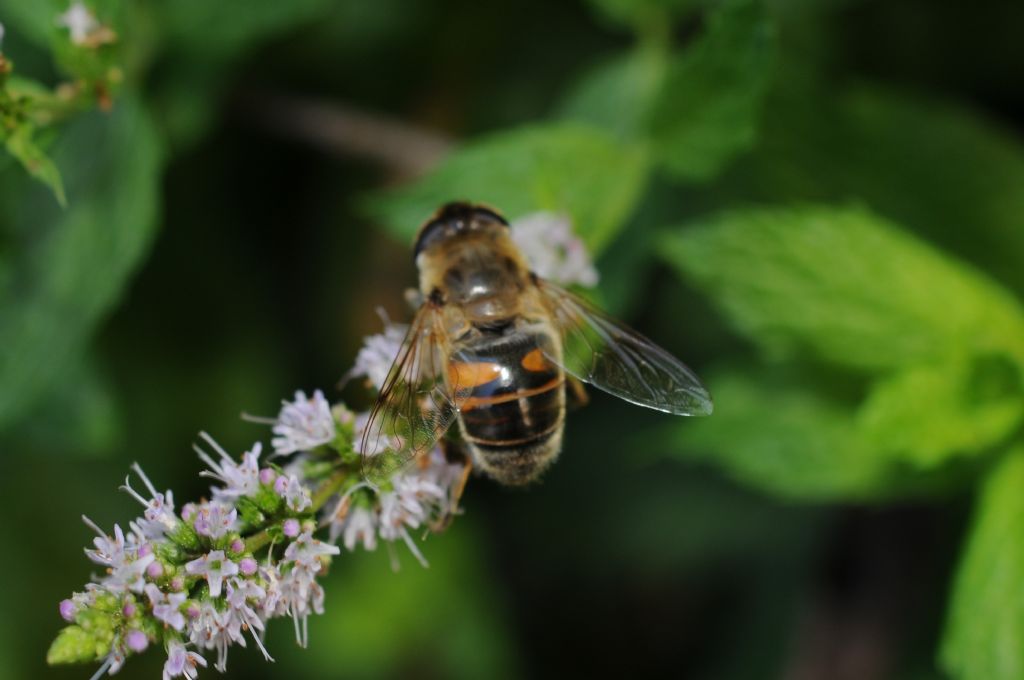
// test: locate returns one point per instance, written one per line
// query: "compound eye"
(432, 233)
(483, 214)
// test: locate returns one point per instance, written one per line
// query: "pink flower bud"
(136, 640)
(291, 527)
(248, 566)
(67, 610)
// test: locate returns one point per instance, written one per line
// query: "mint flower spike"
(213, 576)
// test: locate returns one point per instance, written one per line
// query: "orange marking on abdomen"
(463, 375)
(470, 403)
(535, 361)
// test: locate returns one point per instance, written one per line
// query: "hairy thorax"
(479, 274)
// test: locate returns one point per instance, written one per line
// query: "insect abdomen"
(511, 403)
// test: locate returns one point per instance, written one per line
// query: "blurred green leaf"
(562, 167)
(33, 20)
(844, 285)
(444, 621)
(982, 640)
(83, 418)
(961, 405)
(782, 438)
(711, 98)
(73, 264)
(21, 145)
(942, 169)
(226, 27)
(644, 13)
(618, 94)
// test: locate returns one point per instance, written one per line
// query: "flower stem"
(323, 493)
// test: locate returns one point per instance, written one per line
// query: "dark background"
(265, 273)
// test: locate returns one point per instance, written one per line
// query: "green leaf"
(34, 21)
(69, 267)
(711, 99)
(783, 438)
(618, 94)
(959, 406)
(944, 170)
(982, 640)
(844, 285)
(643, 13)
(227, 27)
(35, 161)
(563, 167)
(72, 645)
(83, 419)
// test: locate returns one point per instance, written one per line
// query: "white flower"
(218, 630)
(181, 662)
(209, 630)
(552, 249)
(303, 424)
(214, 519)
(167, 606)
(79, 21)
(292, 589)
(238, 480)
(378, 353)
(296, 496)
(126, 565)
(306, 550)
(214, 567)
(378, 443)
(418, 495)
(294, 593)
(113, 661)
(158, 516)
(358, 525)
(242, 596)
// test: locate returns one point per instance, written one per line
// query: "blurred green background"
(818, 205)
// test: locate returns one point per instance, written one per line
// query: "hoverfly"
(493, 347)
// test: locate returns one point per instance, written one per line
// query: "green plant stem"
(327, 488)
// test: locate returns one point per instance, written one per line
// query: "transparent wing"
(606, 354)
(414, 408)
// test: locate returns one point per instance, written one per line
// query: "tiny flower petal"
(181, 662)
(79, 21)
(552, 250)
(214, 567)
(378, 353)
(303, 424)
